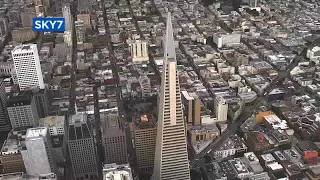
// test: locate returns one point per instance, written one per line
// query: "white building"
(139, 50)
(171, 159)
(27, 64)
(67, 38)
(55, 124)
(221, 109)
(230, 147)
(314, 54)
(226, 39)
(38, 158)
(240, 168)
(80, 31)
(67, 16)
(117, 172)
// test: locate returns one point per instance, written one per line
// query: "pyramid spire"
(171, 155)
(169, 49)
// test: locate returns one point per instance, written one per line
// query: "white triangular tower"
(171, 156)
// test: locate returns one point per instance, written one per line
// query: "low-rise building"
(55, 124)
(23, 34)
(230, 147)
(117, 172)
(10, 157)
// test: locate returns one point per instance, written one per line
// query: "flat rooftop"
(22, 176)
(14, 142)
(78, 118)
(51, 121)
(36, 132)
(79, 131)
(117, 172)
(209, 128)
(20, 99)
(25, 48)
(144, 121)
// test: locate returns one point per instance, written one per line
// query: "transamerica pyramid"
(171, 156)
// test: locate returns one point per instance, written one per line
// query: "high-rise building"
(82, 148)
(139, 50)
(38, 158)
(145, 86)
(3, 26)
(27, 64)
(80, 31)
(253, 3)
(113, 139)
(221, 109)
(22, 110)
(145, 135)
(4, 117)
(67, 38)
(84, 5)
(192, 107)
(114, 171)
(42, 101)
(67, 16)
(171, 156)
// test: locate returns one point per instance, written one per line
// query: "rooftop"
(117, 172)
(209, 128)
(36, 132)
(268, 158)
(251, 157)
(51, 121)
(78, 118)
(24, 48)
(14, 142)
(78, 127)
(20, 99)
(22, 176)
(238, 166)
(145, 121)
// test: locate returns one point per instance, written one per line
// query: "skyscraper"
(82, 148)
(80, 31)
(22, 110)
(27, 64)
(67, 16)
(113, 139)
(192, 107)
(221, 109)
(38, 158)
(145, 135)
(3, 26)
(171, 159)
(4, 117)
